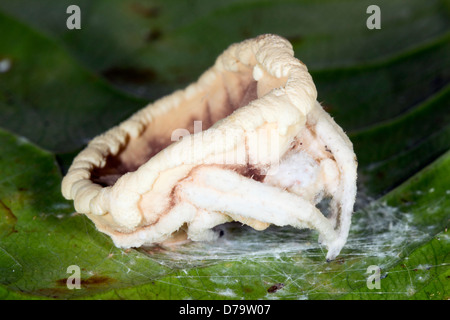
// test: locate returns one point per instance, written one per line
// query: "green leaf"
(389, 89)
(152, 43)
(49, 98)
(45, 237)
(414, 138)
(364, 95)
(423, 276)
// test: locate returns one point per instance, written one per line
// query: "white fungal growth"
(297, 170)
(266, 154)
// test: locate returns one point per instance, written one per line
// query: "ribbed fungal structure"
(266, 153)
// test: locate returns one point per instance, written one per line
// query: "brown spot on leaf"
(7, 220)
(94, 281)
(97, 281)
(145, 11)
(247, 290)
(130, 75)
(275, 287)
(153, 35)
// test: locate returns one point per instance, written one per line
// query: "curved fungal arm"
(340, 145)
(254, 203)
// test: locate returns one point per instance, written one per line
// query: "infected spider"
(267, 154)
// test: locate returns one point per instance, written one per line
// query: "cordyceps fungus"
(266, 153)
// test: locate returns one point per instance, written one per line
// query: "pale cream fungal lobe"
(252, 144)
